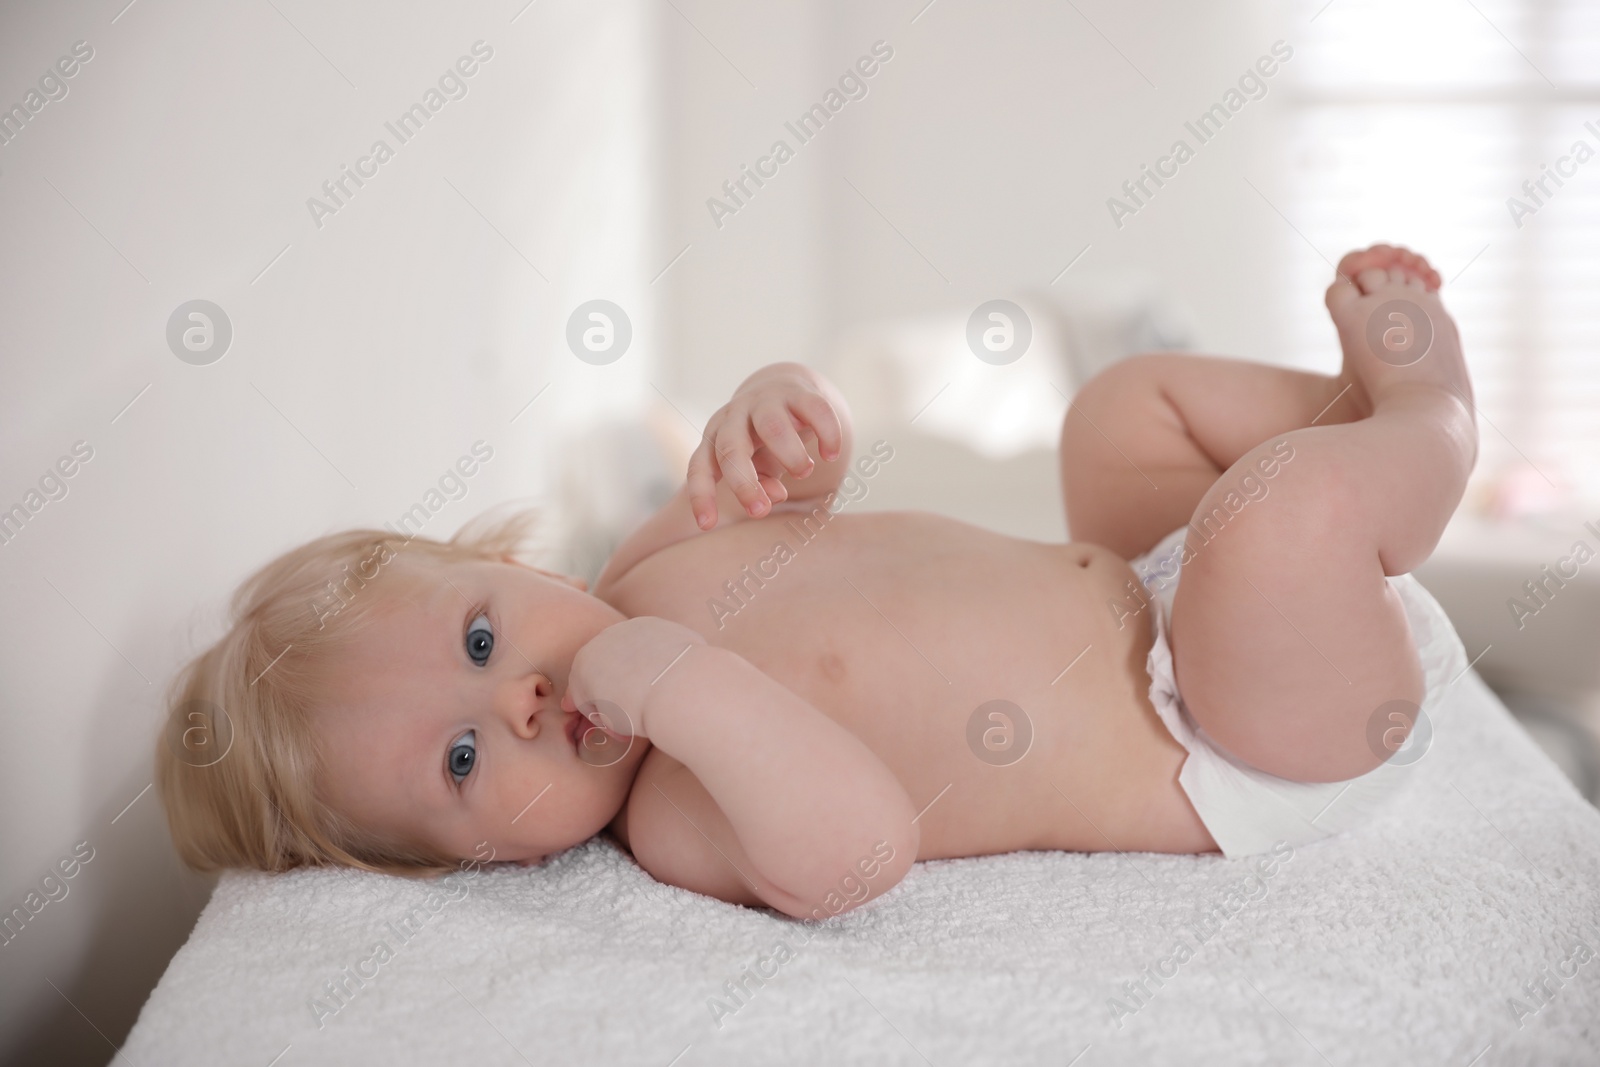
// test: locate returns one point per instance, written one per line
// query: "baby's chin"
(582, 823)
(533, 855)
(535, 858)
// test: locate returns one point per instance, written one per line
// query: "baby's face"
(443, 723)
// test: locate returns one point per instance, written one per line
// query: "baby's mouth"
(576, 726)
(593, 743)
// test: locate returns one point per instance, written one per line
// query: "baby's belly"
(996, 677)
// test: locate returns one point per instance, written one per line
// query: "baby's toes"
(1355, 262)
(1420, 267)
(1372, 279)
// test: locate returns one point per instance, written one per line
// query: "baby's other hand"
(612, 674)
(760, 435)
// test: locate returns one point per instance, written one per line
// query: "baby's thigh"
(1286, 635)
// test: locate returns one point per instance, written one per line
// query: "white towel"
(1416, 939)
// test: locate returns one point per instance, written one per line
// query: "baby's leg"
(1286, 637)
(1146, 438)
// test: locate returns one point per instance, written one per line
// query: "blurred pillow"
(924, 368)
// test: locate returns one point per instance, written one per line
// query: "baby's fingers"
(815, 411)
(616, 723)
(702, 482)
(770, 472)
(775, 426)
(733, 457)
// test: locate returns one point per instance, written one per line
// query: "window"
(1416, 123)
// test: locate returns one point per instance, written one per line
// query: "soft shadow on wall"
(369, 349)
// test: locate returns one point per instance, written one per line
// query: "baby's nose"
(520, 700)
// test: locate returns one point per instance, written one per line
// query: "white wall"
(375, 351)
(990, 141)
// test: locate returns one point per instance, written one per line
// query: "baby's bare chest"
(961, 657)
(912, 597)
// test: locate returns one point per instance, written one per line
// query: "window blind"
(1419, 123)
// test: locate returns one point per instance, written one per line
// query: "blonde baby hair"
(237, 760)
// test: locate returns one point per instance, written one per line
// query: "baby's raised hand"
(612, 675)
(760, 435)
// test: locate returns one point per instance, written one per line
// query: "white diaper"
(1247, 810)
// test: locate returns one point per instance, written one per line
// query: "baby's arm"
(797, 804)
(807, 802)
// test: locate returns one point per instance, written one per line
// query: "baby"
(904, 686)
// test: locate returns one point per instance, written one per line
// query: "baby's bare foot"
(1393, 327)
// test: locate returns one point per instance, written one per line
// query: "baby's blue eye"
(462, 755)
(480, 640)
